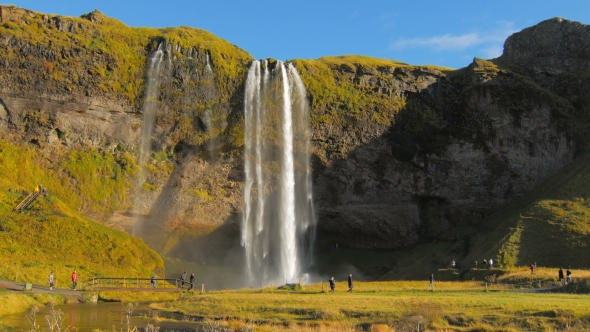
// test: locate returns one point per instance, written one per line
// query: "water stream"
(103, 316)
(149, 115)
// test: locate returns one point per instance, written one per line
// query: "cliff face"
(400, 152)
(460, 145)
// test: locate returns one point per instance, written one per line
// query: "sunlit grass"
(12, 303)
(389, 303)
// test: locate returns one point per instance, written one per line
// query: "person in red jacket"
(74, 280)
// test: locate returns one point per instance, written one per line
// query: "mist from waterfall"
(149, 108)
(278, 225)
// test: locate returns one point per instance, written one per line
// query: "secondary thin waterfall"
(149, 114)
(278, 223)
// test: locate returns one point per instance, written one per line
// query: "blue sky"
(446, 33)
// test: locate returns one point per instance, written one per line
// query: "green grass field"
(388, 306)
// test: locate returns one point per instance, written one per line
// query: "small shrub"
(291, 287)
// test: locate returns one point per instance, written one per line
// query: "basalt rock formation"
(400, 153)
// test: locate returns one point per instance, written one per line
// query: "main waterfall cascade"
(278, 225)
(149, 114)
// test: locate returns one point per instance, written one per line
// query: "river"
(102, 316)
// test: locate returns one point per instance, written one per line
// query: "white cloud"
(444, 42)
(493, 51)
(492, 42)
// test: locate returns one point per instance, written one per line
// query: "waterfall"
(149, 113)
(278, 223)
(208, 69)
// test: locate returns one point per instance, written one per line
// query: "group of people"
(332, 282)
(486, 264)
(75, 278)
(183, 280)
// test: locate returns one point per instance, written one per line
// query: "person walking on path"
(51, 278)
(74, 280)
(350, 285)
(475, 264)
(485, 264)
(431, 286)
(191, 279)
(568, 276)
(332, 284)
(532, 269)
(453, 264)
(182, 279)
(560, 275)
(153, 281)
(491, 263)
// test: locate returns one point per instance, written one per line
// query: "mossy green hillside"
(549, 226)
(51, 234)
(51, 237)
(86, 180)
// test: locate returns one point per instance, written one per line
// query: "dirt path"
(20, 287)
(539, 290)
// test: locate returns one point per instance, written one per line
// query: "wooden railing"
(27, 201)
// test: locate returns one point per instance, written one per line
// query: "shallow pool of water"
(103, 316)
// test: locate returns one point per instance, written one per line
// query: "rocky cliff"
(401, 153)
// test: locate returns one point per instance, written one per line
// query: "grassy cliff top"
(370, 62)
(119, 52)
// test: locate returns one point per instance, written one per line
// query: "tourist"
(491, 263)
(74, 279)
(153, 281)
(332, 284)
(475, 263)
(560, 274)
(453, 264)
(182, 279)
(431, 286)
(485, 264)
(532, 269)
(350, 283)
(51, 281)
(192, 279)
(568, 276)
